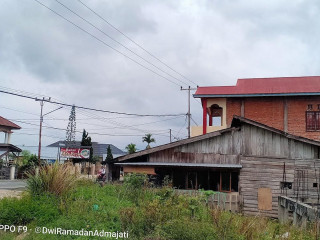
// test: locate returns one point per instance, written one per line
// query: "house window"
(309, 107)
(313, 120)
(318, 106)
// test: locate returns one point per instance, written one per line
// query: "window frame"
(315, 119)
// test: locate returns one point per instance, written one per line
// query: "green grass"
(146, 213)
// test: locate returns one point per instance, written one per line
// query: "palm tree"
(131, 148)
(148, 138)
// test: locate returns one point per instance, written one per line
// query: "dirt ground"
(10, 193)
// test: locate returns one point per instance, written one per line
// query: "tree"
(109, 157)
(149, 139)
(86, 142)
(27, 161)
(131, 148)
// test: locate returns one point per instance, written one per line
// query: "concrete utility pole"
(41, 121)
(40, 130)
(188, 114)
(170, 135)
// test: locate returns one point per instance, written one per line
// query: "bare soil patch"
(10, 193)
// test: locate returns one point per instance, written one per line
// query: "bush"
(133, 186)
(55, 179)
(188, 230)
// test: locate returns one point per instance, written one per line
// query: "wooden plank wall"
(262, 173)
(261, 154)
(262, 159)
(261, 142)
(222, 149)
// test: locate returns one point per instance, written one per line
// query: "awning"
(161, 164)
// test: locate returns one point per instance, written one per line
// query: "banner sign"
(75, 153)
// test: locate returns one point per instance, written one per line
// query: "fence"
(225, 201)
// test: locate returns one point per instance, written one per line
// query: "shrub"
(187, 230)
(54, 179)
(133, 186)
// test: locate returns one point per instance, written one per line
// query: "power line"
(36, 134)
(123, 125)
(93, 109)
(104, 33)
(99, 118)
(130, 39)
(91, 133)
(106, 44)
(120, 125)
(19, 111)
(194, 121)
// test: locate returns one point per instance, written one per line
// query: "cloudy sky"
(210, 42)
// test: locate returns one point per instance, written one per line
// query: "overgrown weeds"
(146, 213)
(55, 179)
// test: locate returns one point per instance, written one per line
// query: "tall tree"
(148, 139)
(71, 129)
(131, 148)
(109, 157)
(86, 142)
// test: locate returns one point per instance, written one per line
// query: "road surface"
(13, 185)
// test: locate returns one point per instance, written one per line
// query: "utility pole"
(170, 135)
(40, 130)
(41, 121)
(188, 114)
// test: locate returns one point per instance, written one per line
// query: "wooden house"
(253, 161)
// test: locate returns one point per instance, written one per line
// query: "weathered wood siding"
(262, 173)
(262, 159)
(222, 149)
(261, 142)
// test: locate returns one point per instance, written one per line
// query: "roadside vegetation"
(55, 199)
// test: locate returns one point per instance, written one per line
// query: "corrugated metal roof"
(236, 124)
(98, 148)
(6, 123)
(265, 86)
(161, 164)
(12, 148)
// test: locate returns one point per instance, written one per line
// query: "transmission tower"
(71, 129)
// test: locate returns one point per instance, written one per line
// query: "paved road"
(12, 185)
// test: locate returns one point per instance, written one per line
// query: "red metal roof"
(272, 86)
(6, 123)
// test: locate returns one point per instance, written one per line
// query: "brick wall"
(297, 116)
(270, 111)
(233, 108)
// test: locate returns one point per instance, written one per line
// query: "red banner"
(75, 153)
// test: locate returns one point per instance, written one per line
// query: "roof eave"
(169, 164)
(173, 144)
(255, 95)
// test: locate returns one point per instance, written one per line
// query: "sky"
(204, 43)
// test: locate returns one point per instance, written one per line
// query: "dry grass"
(56, 179)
